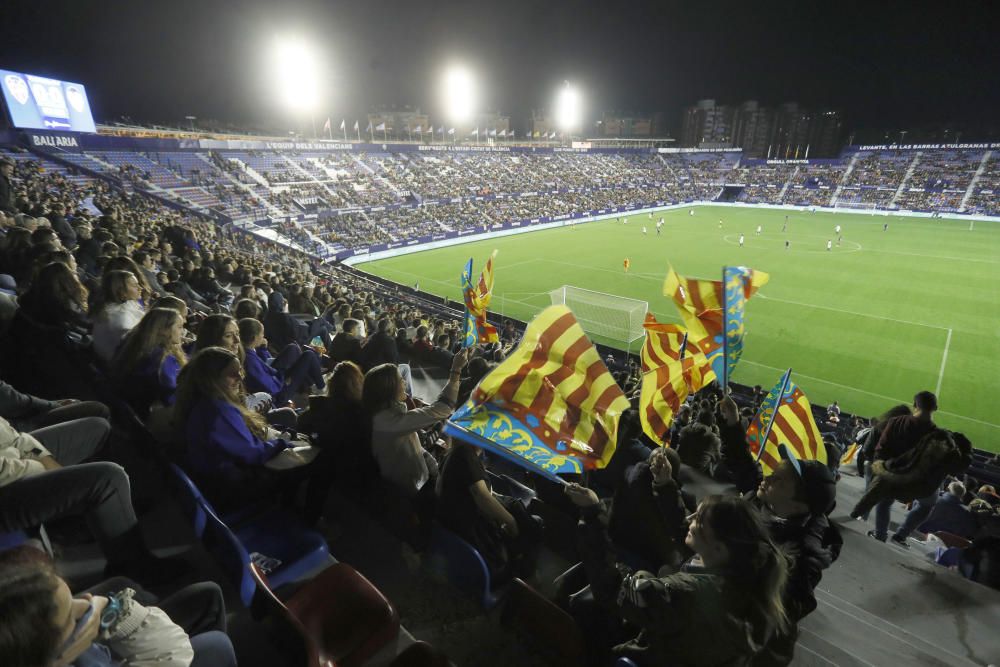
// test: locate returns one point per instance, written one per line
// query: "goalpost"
(859, 206)
(607, 315)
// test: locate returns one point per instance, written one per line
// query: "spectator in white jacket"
(44, 624)
(119, 312)
(395, 441)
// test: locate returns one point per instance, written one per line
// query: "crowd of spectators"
(260, 372)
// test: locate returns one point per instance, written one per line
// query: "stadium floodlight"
(296, 73)
(459, 94)
(568, 108)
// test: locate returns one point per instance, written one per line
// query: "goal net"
(855, 205)
(600, 314)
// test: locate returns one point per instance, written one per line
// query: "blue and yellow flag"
(552, 406)
(740, 283)
(785, 417)
(477, 329)
(701, 304)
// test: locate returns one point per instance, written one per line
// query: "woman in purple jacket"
(283, 377)
(227, 445)
(149, 360)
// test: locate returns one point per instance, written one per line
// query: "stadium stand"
(213, 230)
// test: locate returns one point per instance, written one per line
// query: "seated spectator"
(47, 351)
(118, 313)
(293, 371)
(44, 624)
(720, 608)
(27, 413)
(421, 343)
(949, 514)
(989, 494)
(500, 529)
(149, 360)
(339, 426)
(439, 355)
(395, 443)
(282, 328)
(346, 345)
(380, 348)
(226, 445)
(43, 478)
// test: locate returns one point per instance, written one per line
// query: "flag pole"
(770, 422)
(725, 338)
(345, 130)
(357, 126)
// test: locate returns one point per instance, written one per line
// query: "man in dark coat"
(7, 199)
(899, 435)
(381, 346)
(345, 346)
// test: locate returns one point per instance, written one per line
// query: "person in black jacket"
(380, 348)
(345, 345)
(796, 500)
(7, 199)
(648, 517)
(57, 218)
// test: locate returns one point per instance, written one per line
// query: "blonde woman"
(227, 445)
(150, 359)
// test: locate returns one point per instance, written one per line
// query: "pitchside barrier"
(446, 239)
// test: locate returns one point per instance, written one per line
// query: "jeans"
(301, 368)
(918, 513)
(100, 491)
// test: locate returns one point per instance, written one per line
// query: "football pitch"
(868, 323)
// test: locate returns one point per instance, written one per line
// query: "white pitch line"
(894, 399)
(851, 312)
(944, 360)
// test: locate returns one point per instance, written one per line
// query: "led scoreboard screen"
(40, 103)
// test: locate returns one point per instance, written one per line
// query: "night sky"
(885, 64)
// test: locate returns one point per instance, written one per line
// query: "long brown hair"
(381, 388)
(152, 333)
(756, 566)
(201, 379)
(210, 333)
(55, 295)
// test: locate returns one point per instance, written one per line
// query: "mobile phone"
(81, 623)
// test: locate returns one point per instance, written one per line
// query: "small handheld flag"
(785, 417)
(477, 329)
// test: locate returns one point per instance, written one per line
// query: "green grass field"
(868, 324)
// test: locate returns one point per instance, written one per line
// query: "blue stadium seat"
(463, 566)
(277, 539)
(12, 539)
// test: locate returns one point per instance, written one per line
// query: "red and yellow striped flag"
(556, 385)
(701, 305)
(664, 389)
(663, 344)
(792, 425)
(477, 300)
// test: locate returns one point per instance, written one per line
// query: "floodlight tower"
(296, 73)
(568, 108)
(459, 94)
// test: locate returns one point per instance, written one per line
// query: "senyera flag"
(785, 417)
(552, 406)
(701, 304)
(669, 342)
(477, 329)
(664, 390)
